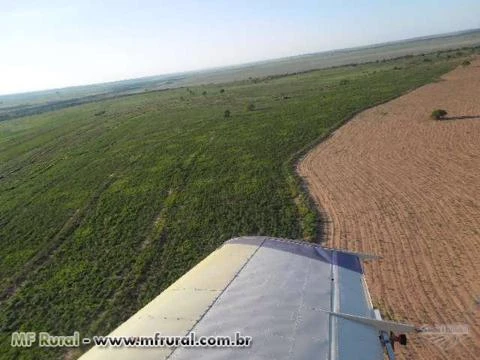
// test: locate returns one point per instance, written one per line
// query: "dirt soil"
(396, 183)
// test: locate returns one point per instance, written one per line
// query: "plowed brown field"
(396, 183)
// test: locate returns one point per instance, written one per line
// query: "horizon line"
(254, 62)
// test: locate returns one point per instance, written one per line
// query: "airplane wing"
(295, 300)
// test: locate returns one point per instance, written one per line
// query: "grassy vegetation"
(103, 205)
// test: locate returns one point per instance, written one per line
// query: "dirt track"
(394, 182)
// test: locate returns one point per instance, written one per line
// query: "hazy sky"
(48, 44)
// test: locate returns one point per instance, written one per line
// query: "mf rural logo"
(445, 335)
(448, 335)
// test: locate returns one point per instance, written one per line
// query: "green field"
(104, 205)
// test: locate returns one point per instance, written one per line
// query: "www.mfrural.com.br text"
(45, 339)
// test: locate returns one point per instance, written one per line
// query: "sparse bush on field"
(222, 91)
(226, 114)
(466, 63)
(100, 113)
(204, 93)
(250, 107)
(438, 114)
(343, 82)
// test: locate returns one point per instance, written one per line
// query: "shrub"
(438, 114)
(100, 113)
(227, 114)
(204, 93)
(251, 107)
(222, 91)
(466, 63)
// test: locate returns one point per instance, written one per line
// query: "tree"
(438, 114)
(222, 91)
(227, 114)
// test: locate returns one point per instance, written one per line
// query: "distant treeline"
(27, 110)
(134, 87)
(97, 93)
(458, 52)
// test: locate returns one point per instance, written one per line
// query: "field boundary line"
(294, 161)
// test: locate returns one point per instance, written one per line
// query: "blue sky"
(48, 44)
